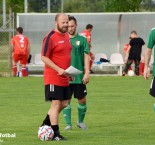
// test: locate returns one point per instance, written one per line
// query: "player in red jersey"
(56, 51)
(87, 34)
(20, 46)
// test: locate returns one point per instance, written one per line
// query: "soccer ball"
(45, 133)
(131, 73)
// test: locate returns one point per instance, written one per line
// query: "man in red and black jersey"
(56, 51)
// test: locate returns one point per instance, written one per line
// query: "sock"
(14, 70)
(67, 115)
(55, 129)
(46, 121)
(82, 108)
(24, 72)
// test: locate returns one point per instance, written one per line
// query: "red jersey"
(87, 34)
(20, 44)
(57, 48)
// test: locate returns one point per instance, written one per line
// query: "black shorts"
(53, 92)
(152, 87)
(79, 90)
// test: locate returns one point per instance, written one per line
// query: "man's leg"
(14, 65)
(59, 97)
(137, 62)
(127, 66)
(23, 61)
(56, 107)
(92, 57)
(82, 108)
(67, 117)
(47, 118)
(67, 111)
(24, 70)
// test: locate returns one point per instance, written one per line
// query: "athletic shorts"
(152, 87)
(78, 90)
(20, 57)
(53, 92)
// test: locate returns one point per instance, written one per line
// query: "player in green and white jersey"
(80, 60)
(150, 46)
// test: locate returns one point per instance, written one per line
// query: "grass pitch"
(120, 112)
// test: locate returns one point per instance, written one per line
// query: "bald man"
(55, 54)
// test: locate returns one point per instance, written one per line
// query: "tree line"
(85, 6)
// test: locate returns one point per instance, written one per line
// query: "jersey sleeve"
(47, 46)
(86, 47)
(89, 38)
(131, 42)
(143, 43)
(151, 39)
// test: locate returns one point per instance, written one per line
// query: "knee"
(65, 104)
(82, 101)
(56, 104)
(129, 62)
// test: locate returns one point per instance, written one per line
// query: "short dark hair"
(133, 32)
(72, 18)
(19, 30)
(89, 26)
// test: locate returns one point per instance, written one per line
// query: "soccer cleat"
(68, 127)
(123, 74)
(82, 126)
(58, 137)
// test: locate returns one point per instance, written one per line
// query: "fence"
(6, 33)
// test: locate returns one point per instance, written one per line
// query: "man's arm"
(127, 54)
(147, 60)
(86, 63)
(29, 49)
(52, 65)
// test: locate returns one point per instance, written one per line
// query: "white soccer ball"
(45, 133)
(131, 73)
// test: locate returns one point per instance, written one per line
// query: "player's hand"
(71, 79)
(86, 78)
(92, 57)
(146, 72)
(126, 58)
(62, 72)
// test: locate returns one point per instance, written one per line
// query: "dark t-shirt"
(136, 48)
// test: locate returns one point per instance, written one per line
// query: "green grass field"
(120, 112)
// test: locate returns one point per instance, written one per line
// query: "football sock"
(55, 129)
(14, 70)
(46, 121)
(24, 72)
(82, 108)
(67, 115)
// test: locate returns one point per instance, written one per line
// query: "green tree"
(122, 5)
(148, 5)
(16, 6)
(83, 6)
